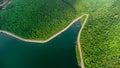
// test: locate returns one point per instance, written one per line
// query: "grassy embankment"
(40, 19)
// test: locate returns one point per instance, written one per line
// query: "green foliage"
(40, 19)
(36, 19)
(100, 37)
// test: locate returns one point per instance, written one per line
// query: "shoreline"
(42, 41)
(4, 3)
(78, 42)
(52, 37)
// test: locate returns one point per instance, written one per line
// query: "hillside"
(36, 19)
(40, 19)
(100, 39)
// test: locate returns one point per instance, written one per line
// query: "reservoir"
(57, 53)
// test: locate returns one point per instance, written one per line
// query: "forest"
(40, 19)
(36, 19)
(100, 39)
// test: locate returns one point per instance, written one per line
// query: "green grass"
(40, 19)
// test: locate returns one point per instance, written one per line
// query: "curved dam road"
(45, 41)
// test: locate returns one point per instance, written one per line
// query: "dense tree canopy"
(40, 19)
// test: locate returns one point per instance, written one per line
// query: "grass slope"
(40, 19)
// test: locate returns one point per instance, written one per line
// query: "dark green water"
(57, 53)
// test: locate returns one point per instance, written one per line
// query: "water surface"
(58, 53)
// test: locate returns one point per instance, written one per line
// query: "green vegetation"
(40, 19)
(100, 39)
(36, 19)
